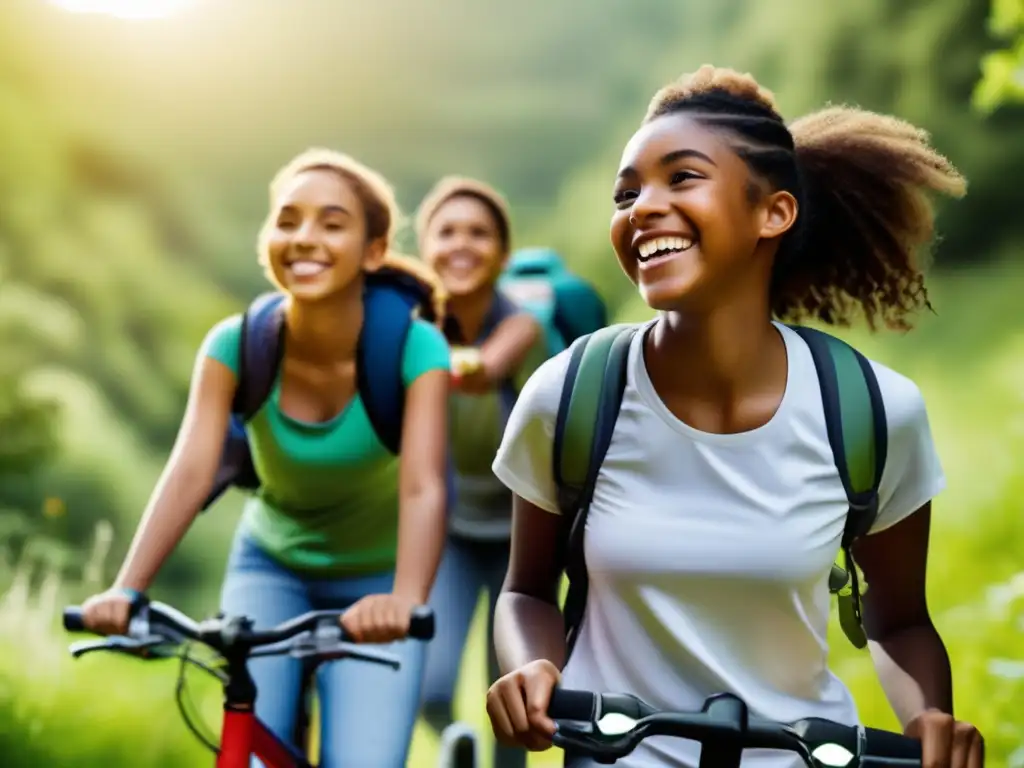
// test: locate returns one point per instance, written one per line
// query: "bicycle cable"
(180, 697)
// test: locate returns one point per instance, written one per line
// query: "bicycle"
(157, 630)
(612, 725)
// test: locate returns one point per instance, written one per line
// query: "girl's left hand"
(947, 742)
(378, 619)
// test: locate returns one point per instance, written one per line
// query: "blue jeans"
(367, 711)
(467, 567)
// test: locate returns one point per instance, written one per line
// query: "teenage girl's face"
(686, 226)
(463, 245)
(316, 242)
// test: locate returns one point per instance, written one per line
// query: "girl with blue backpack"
(338, 517)
(464, 235)
(697, 475)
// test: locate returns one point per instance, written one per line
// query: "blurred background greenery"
(135, 157)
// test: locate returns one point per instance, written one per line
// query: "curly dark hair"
(862, 181)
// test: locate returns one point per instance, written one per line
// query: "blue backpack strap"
(595, 382)
(259, 355)
(388, 306)
(858, 435)
(260, 350)
(501, 309)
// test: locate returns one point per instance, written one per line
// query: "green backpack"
(591, 397)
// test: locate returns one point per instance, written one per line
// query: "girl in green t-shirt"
(338, 520)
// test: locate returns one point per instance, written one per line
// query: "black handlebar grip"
(421, 623)
(73, 619)
(566, 704)
(883, 744)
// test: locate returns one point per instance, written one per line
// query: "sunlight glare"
(124, 9)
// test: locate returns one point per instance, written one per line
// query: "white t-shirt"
(708, 555)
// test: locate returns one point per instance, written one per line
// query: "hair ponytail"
(868, 219)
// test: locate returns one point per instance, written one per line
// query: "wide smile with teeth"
(662, 246)
(462, 264)
(306, 268)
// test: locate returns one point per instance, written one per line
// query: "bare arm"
(188, 476)
(503, 353)
(506, 348)
(421, 486)
(528, 623)
(912, 663)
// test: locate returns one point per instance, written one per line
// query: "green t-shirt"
(329, 496)
(482, 506)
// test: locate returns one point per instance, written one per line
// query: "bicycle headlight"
(615, 724)
(833, 755)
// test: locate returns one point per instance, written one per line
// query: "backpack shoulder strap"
(858, 434)
(387, 317)
(259, 353)
(503, 308)
(591, 396)
(855, 421)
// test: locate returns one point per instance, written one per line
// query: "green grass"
(969, 363)
(120, 711)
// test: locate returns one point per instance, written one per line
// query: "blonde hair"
(425, 276)
(460, 186)
(373, 190)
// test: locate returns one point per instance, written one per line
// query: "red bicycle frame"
(244, 736)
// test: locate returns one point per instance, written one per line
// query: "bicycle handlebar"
(616, 723)
(317, 633)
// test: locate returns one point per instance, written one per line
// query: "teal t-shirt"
(329, 496)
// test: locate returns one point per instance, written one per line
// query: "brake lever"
(591, 743)
(326, 643)
(120, 644)
(353, 651)
(276, 649)
(336, 650)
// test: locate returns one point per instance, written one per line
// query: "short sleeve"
(222, 342)
(425, 350)
(523, 463)
(913, 473)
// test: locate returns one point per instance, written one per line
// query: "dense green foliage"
(136, 157)
(1003, 68)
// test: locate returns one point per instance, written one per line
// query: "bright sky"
(125, 9)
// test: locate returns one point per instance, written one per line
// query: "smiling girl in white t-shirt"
(718, 510)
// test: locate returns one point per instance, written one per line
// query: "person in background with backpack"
(719, 499)
(338, 519)
(567, 306)
(464, 236)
